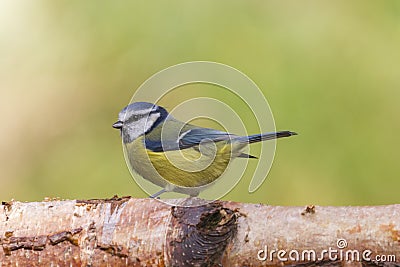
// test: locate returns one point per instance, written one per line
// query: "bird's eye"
(137, 117)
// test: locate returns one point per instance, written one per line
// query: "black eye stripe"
(136, 117)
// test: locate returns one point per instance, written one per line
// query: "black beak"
(118, 125)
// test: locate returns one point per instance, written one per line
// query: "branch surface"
(147, 232)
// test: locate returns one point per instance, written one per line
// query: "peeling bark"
(147, 232)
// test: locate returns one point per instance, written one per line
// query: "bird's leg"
(158, 193)
(194, 194)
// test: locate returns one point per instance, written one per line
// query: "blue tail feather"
(265, 136)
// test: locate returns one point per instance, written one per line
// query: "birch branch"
(147, 232)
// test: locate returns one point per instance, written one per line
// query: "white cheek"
(150, 120)
(134, 130)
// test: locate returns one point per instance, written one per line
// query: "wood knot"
(199, 235)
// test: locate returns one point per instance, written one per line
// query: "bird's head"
(139, 118)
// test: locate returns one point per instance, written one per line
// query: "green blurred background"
(329, 69)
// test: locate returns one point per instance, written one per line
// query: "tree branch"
(147, 232)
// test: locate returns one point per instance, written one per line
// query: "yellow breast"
(191, 167)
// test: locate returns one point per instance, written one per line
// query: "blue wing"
(190, 138)
(193, 137)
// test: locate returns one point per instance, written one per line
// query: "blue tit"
(179, 156)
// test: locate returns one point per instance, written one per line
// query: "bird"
(178, 156)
